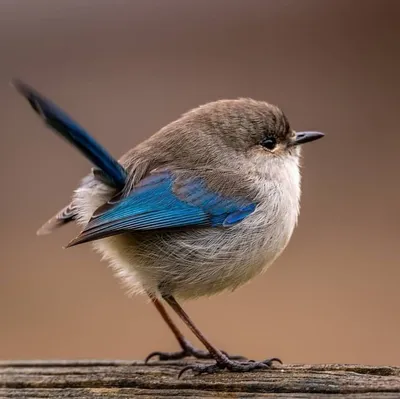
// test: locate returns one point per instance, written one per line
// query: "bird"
(201, 207)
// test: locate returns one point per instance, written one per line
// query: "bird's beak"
(306, 137)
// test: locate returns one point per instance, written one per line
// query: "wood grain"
(122, 379)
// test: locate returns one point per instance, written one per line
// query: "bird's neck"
(281, 174)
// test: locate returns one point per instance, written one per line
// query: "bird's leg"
(222, 361)
(187, 348)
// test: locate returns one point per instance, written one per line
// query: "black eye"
(269, 142)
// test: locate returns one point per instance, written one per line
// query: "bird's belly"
(195, 263)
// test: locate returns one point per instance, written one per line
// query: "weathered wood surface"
(121, 379)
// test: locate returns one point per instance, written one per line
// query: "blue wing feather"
(155, 203)
(57, 119)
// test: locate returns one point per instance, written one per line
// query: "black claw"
(272, 360)
(199, 369)
(162, 356)
(184, 370)
(151, 355)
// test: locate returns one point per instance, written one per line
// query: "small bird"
(202, 206)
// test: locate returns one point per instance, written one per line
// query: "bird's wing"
(165, 200)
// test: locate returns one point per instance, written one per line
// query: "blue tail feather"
(75, 134)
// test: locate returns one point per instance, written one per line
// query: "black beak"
(306, 137)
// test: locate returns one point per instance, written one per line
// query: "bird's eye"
(269, 142)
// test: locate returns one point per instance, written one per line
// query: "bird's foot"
(227, 364)
(188, 350)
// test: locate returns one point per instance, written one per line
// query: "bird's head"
(252, 127)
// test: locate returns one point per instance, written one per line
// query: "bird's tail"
(66, 215)
(60, 122)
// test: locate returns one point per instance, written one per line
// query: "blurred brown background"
(126, 68)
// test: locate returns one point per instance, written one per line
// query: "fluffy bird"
(202, 206)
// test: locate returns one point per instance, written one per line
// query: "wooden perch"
(122, 379)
